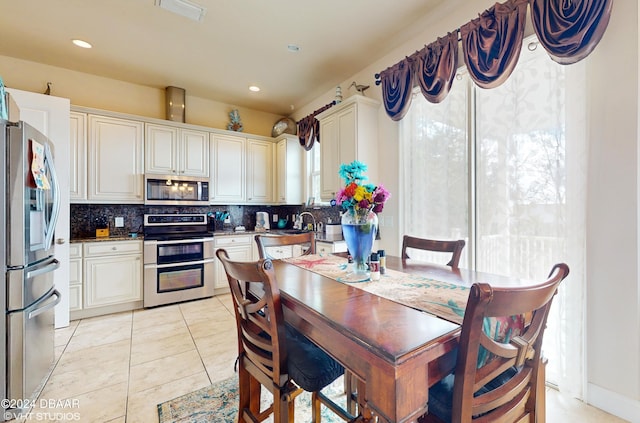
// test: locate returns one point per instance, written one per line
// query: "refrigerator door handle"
(53, 265)
(38, 303)
(55, 212)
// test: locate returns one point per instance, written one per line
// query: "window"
(504, 169)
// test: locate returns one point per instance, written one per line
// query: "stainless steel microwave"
(176, 190)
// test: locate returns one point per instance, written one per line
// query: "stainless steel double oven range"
(178, 258)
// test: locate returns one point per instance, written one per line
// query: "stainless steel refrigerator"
(30, 207)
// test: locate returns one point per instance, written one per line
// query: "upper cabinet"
(259, 171)
(115, 160)
(227, 178)
(78, 157)
(176, 151)
(289, 170)
(110, 154)
(348, 132)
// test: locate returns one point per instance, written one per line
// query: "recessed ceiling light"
(254, 88)
(293, 48)
(81, 43)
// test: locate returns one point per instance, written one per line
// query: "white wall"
(109, 94)
(613, 286)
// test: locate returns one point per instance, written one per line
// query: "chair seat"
(309, 366)
(441, 394)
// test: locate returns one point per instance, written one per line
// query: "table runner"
(442, 299)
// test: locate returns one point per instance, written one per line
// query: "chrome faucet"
(312, 217)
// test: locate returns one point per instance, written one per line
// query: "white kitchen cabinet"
(115, 160)
(324, 247)
(78, 157)
(112, 273)
(75, 276)
(227, 178)
(239, 248)
(170, 150)
(259, 171)
(348, 132)
(289, 176)
(280, 252)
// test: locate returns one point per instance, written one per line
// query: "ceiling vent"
(184, 8)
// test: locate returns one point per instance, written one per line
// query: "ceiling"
(238, 43)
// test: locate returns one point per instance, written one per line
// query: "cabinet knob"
(114, 248)
(60, 241)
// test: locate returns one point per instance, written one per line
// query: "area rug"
(219, 403)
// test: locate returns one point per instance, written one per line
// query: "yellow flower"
(360, 193)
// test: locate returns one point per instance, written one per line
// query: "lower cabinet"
(324, 247)
(280, 252)
(111, 278)
(239, 248)
(75, 277)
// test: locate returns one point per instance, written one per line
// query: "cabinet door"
(78, 157)
(281, 171)
(112, 280)
(116, 163)
(347, 136)
(227, 169)
(235, 253)
(289, 177)
(349, 132)
(75, 284)
(161, 149)
(259, 171)
(329, 158)
(194, 153)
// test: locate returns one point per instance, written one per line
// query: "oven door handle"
(180, 241)
(180, 263)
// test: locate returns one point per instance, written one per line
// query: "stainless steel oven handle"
(53, 265)
(181, 263)
(180, 241)
(37, 304)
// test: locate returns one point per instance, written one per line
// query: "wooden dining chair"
(453, 247)
(273, 241)
(351, 384)
(272, 354)
(499, 358)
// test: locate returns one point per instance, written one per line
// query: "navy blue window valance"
(568, 30)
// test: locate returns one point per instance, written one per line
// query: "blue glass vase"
(359, 229)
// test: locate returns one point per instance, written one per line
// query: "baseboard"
(613, 403)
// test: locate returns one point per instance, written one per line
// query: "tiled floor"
(117, 368)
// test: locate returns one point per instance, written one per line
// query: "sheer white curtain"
(505, 169)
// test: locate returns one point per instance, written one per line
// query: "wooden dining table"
(396, 351)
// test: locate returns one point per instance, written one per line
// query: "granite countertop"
(320, 236)
(107, 238)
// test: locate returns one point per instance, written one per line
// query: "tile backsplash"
(85, 216)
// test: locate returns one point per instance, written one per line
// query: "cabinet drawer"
(109, 248)
(226, 241)
(323, 248)
(75, 250)
(283, 251)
